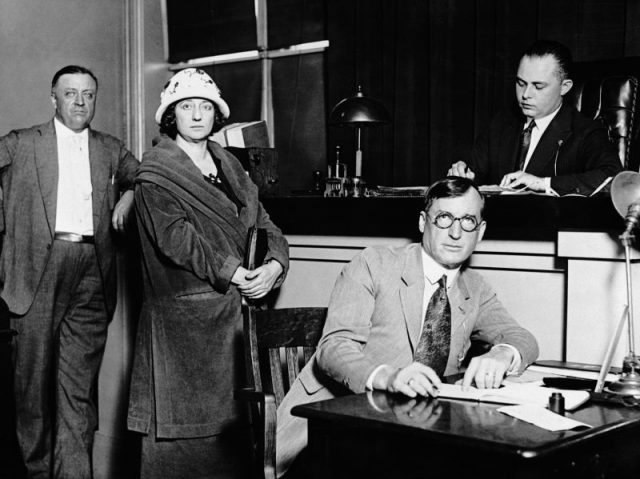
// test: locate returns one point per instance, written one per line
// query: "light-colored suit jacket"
(375, 317)
(29, 182)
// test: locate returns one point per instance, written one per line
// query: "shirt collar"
(63, 131)
(433, 271)
(543, 123)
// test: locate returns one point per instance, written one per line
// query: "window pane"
(240, 84)
(201, 28)
(300, 119)
(291, 22)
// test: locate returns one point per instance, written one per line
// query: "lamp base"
(629, 382)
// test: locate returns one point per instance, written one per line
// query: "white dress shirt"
(537, 132)
(74, 210)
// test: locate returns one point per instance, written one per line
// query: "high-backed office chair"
(608, 90)
(270, 335)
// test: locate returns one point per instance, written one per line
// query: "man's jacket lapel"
(101, 174)
(411, 295)
(541, 162)
(46, 159)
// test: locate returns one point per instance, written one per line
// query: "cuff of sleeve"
(514, 367)
(229, 267)
(369, 383)
(547, 187)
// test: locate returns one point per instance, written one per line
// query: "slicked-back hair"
(557, 50)
(72, 69)
(169, 126)
(450, 187)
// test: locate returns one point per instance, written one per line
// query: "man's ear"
(481, 229)
(421, 221)
(54, 101)
(566, 86)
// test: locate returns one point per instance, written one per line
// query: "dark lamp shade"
(359, 110)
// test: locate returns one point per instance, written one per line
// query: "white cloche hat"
(190, 83)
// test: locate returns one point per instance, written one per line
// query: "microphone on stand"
(632, 218)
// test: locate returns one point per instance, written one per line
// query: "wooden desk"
(373, 435)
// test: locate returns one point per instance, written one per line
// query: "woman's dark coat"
(192, 242)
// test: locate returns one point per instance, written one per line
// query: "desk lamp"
(359, 111)
(625, 194)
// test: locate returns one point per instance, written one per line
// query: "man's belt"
(73, 237)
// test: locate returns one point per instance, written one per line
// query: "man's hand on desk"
(413, 380)
(460, 168)
(520, 179)
(488, 370)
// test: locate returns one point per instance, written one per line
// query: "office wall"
(40, 36)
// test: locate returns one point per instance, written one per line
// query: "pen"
(112, 179)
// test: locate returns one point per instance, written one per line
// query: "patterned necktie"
(525, 141)
(433, 346)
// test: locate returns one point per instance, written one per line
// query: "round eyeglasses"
(445, 220)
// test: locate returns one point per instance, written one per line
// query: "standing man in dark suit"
(547, 145)
(61, 184)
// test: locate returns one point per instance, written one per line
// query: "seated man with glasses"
(400, 318)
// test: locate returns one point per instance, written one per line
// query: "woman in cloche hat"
(194, 205)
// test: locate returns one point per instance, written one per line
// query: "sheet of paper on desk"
(500, 190)
(514, 394)
(573, 373)
(541, 417)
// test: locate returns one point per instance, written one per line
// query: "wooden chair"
(274, 340)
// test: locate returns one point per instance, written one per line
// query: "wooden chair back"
(278, 343)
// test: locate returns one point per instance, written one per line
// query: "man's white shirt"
(74, 209)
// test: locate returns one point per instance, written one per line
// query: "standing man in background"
(547, 146)
(61, 183)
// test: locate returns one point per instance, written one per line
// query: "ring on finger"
(409, 382)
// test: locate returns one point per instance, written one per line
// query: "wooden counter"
(514, 217)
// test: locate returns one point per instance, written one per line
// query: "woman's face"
(194, 119)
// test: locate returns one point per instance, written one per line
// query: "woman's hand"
(260, 281)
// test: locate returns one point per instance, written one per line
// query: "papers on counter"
(514, 394)
(541, 417)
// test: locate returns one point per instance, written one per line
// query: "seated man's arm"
(340, 353)
(597, 159)
(476, 166)
(346, 331)
(496, 326)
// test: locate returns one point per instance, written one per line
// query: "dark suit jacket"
(29, 181)
(574, 151)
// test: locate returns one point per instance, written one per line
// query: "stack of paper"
(514, 394)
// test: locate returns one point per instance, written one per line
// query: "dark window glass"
(291, 22)
(300, 119)
(240, 84)
(202, 28)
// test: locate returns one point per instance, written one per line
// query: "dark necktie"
(525, 141)
(433, 346)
